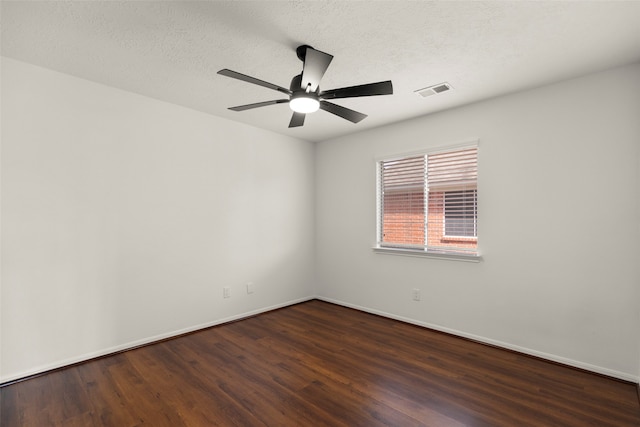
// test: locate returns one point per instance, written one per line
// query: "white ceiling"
(171, 50)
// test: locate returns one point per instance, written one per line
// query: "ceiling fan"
(304, 91)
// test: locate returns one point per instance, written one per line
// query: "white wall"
(558, 224)
(123, 217)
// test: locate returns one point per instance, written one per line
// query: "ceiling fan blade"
(297, 120)
(315, 65)
(371, 89)
(258, 104)
(249, 79)
(345, 113)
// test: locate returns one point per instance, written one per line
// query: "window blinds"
(460, 213)
(453, 199)
(430, 201)
(402, 210)
(453, 169)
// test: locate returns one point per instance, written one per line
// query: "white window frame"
(422, 251)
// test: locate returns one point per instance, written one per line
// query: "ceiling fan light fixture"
(304, 103)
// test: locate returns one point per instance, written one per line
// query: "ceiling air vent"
(433, 90)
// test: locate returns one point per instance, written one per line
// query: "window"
(429, 202)
(460, 213)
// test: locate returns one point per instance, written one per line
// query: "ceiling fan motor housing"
(296, 86)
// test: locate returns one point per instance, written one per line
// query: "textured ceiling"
(171, 50)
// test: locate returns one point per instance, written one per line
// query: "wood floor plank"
(319, 364)
(255, 367)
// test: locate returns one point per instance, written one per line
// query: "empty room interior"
(451, 239)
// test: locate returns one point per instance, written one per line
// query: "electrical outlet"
(416, 294)
(226, 292)
(250, 288)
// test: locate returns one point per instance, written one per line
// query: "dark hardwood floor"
(318, 364)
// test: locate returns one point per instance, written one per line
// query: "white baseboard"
(133, 344)
(551, 357)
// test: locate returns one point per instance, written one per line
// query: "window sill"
(450, 239)
(427, 254)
